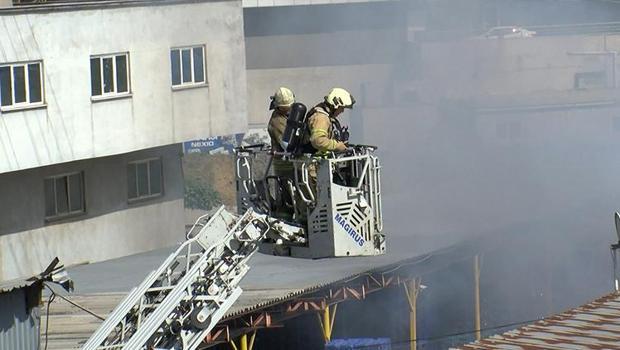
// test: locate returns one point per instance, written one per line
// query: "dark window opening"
(64, 195)
(109, 75)
(591, 80)
(144, 179)
(188, 66)
(187, 70)
(19, 84)
(6, 86)
(121, 73)
(34, 82)
(175, 59)
(198, 65)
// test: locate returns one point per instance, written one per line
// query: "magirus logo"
(350, 230)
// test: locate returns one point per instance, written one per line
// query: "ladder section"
(181, 301)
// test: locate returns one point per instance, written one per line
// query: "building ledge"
(546, 100)
(29, 6)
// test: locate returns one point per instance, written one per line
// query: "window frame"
(24, 105)
(591, 80)
(115, 94)
(192, 83)
(69, 213)
(147, 161)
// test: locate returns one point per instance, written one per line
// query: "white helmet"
(339, 97)
(283, 97)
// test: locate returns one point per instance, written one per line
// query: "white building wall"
(108, 236)
(111, 225)
(272, 3)
(72, 127)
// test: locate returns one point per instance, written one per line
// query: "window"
(590, 80)
(109, 75)
(64, 195)
(144, 179)
(21, 85)
(188, 66)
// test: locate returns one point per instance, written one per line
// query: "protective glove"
(345, 134)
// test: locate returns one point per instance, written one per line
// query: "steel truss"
(317, 302)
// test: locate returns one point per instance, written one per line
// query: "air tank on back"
(295, 127)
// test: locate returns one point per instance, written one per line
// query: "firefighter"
(281, 103)
(325, 132)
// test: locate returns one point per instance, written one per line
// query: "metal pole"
(477, 295)
(326, 320)
(243, 342)
(327, 329)
(614, 258)
(252, 338)
(413, 326)
(412, 289)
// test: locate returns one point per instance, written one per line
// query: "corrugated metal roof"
(19, 326)
(257, 299)
(592, 326)
(7, 286)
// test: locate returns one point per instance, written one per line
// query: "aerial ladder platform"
(180, 302)
(335, 210)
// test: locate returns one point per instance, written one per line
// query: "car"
(508, 33)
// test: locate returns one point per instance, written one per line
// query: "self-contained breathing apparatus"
(296, 126)
(296, 136)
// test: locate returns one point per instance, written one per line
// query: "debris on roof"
(54, 272)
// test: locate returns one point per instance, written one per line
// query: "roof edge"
(69, 5)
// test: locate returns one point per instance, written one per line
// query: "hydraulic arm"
(180, 302)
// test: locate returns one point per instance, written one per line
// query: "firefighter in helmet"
(326, 133)
(281, 103)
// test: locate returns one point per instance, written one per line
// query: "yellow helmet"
(339, 97)
(283, 97)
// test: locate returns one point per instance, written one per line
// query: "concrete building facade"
(437, 94)
(96, 98)
(313, 48)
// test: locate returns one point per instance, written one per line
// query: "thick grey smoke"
(509, 142)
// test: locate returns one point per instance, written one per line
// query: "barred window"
(21, 85)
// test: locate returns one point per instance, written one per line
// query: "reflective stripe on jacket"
(322, 133)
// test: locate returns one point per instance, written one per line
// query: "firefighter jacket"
(276, 127)
(324, 130)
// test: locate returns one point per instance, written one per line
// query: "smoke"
(509, 142)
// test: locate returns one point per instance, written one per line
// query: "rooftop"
(272, 282)
(592, 326)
